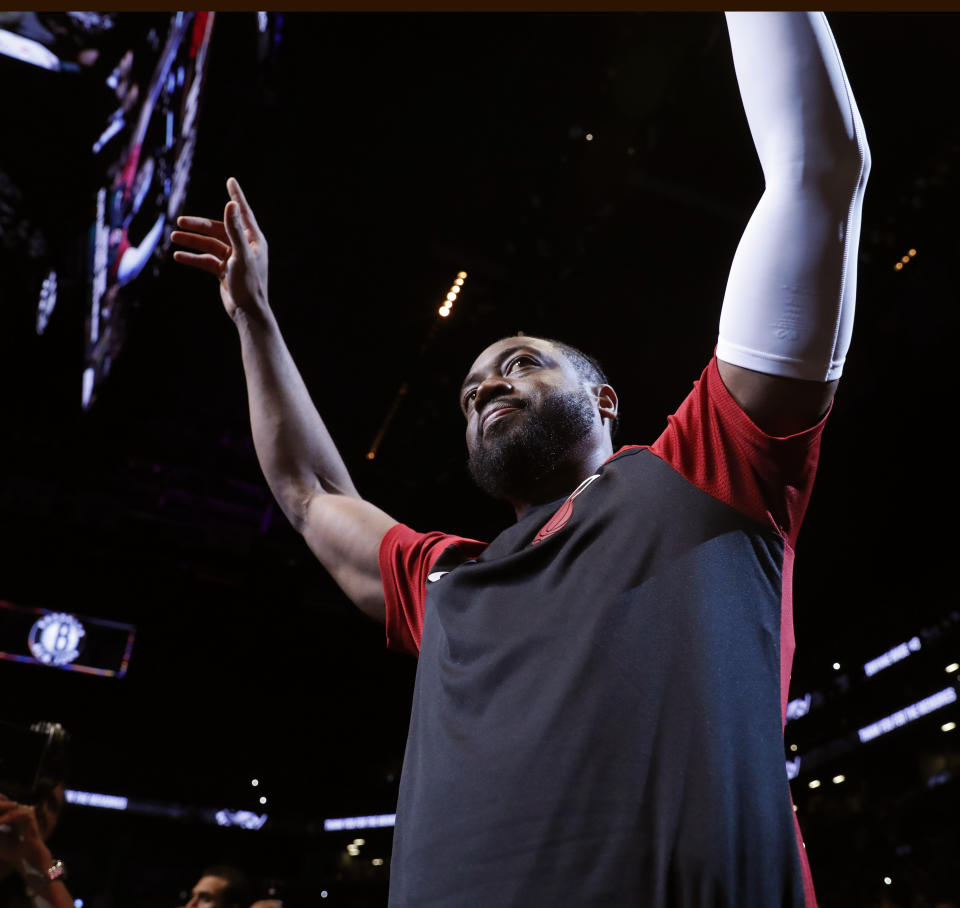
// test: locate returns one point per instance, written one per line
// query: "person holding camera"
(30, 875)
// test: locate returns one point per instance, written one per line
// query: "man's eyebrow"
(475, 376)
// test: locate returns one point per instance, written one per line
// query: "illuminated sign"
(911, 713)
(891, 656)
(375, 822)
(56, 639)
(72, 642)
(93, 799)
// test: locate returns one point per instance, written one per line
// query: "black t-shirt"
(598, 711)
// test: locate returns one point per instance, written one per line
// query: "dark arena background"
(591, 175)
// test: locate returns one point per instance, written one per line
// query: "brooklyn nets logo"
(56, 639)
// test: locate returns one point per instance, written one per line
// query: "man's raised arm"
(788, 309)
(305, 472)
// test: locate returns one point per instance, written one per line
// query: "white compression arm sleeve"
(788, 307)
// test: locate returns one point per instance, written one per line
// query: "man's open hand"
(234, 250)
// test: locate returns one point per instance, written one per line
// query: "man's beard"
(511, 460)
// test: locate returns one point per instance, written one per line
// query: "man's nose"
(493, 386)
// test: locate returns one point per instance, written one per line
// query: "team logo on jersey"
(563, 514)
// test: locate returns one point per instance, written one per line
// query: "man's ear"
(606, 401)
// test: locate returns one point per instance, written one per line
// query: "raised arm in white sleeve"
(788, 307)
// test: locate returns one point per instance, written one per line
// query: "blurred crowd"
(34, 771)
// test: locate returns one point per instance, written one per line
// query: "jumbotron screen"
(150, 147)
(96, 160)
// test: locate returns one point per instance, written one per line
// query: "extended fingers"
(206, 226)
(201, 243)
(210, 263)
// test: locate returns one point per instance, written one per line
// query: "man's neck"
(560, 482)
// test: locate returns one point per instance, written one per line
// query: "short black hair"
(588, 368)
(238, 885)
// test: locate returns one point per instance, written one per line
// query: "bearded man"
(600, 695)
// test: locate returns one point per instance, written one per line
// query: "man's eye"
(469, 396)
(517, 360)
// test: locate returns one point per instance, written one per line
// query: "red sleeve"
(406, 558)
(712, 443)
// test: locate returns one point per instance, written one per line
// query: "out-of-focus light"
(793, 748)
(263, 800)
(948, 726)
(246, 819)
(912, 253)
(589, 136)
(952, 667)
(794, 808)
(461, 274)
(799, 707)
(813, 783)
(838, 779)
(254, 782)
(459, 282)
(836, 666)
(887, 880)
(78, 903)
(323, 893)
(455, 289)
(86, 392)
(28, 51)
(359, 842)
(48, 300)
(443, 312)
(898, 266)
(451, 296)
(377, 862)
(905, 259)
(353, 851)
(371, 455)
(263, 21)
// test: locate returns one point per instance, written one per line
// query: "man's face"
(208, 893)
(527, 410)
